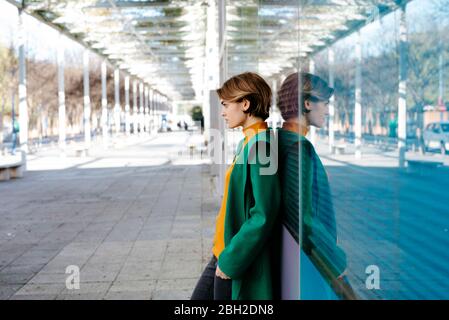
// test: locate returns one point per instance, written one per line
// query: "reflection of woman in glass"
(297, 158)
(240, 267)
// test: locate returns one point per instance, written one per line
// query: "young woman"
(240, 267)
(306, 196)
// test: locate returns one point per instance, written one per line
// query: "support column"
(331, 59)
(211, 69)
(156, 110)
(358, 98)
(223, 74)
(127, 115)
(146, 111)
(151, 111)
(162, 103)
(87, 111)
(135, 107)
(104, 105)
(312, 132)
(160, 108)
(159, 100)
(402, 102)
(61, 98)
(164, 107)
(117, 107)
(141, 107)
(23, 107)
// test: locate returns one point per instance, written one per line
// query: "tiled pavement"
(137, 220)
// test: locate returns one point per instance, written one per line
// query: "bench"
(193, 148)
(196, 144)
(12, 168)
(422, 166)
(338, 148)
(81, 151)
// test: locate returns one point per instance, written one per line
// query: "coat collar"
(254, 129)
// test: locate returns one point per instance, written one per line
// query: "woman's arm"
(250, 239)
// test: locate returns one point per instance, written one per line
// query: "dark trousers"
(211, 287)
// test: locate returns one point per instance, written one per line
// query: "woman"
(311, 199)
(240, 267)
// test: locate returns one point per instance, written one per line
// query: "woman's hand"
(220, 274)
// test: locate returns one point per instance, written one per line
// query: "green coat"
(251, 212)
(311, 199)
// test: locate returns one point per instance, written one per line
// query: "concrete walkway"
(136, 219)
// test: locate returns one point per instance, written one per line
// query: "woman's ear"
(245, 104)
(308, 105)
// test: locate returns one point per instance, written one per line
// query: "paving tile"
(133, 286)
(140, 270)
(41, 289)
(171, 295)
(173, 284)
(128, 229)
(172, 269)
(128, 295)
(81, 296)
(21, 268)
(15, 278)
(98, 289)
(48, 278)
(8, 290)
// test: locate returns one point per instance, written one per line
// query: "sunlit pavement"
(136, 219)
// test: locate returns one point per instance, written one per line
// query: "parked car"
(436, 136)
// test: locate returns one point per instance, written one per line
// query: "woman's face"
(318, 112)
(233, 114)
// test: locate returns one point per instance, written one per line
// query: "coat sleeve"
(248, 242)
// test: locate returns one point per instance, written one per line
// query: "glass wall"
(364, 211)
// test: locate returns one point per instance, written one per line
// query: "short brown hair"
(313, 88)
(248, 86)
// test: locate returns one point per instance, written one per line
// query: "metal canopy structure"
(271, 36)
(160, 42)
(163, 42)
